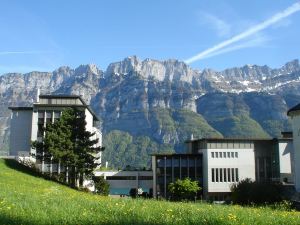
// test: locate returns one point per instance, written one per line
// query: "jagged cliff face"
(168, 100)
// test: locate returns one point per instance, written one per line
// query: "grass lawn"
(26, 199)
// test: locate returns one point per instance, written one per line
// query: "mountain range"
(150, 106)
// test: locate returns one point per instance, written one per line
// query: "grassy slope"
(25, 199)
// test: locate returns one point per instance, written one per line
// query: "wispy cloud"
(249, 32)
(259, 41)
(222, 28)
(24, 52)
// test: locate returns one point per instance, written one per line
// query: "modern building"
(294, 114)
(27, 123)
(120, 182)
(217, 163)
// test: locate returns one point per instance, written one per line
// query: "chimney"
(192, 137)
(38, 95)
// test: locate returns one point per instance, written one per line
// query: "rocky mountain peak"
(292, 66)
(170, 70)
(87, 69)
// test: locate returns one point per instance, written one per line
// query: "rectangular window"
(232, 175)
(224, 154)
(220, 154)
(217, 175)
(236, 154)
(121, 178)
(232, 154)
(48, 116)
(225, 177)
(228, 154)
(236, 174)
(221, 175)
(217, 155)
(212, 154)
(212, 175)
(228, 175)
(56, 115)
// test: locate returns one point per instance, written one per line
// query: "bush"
(133, 193)
(101, 186)
(248, 192)
(183, 189)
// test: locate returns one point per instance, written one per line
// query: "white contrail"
(261, 26)
(23, 52)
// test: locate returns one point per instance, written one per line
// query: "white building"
(27, 122)
(294, 114)
(120, 182)
(217, 163)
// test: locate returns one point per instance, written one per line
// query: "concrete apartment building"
(217, 163)
(27, 122)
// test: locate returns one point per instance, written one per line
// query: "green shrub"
(101, 186)
(183, 189)
(248, 192)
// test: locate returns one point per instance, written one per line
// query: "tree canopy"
(68, 143)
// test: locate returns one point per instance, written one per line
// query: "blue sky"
(43, 35)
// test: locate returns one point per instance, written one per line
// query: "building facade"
(120, 182)
(217, 163)
(294, 114)
(27, 123)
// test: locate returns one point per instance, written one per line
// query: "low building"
(27, 122)
(120, 182)
(217, 163)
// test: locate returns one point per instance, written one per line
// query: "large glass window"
(221, 175)
(236, 174)
(212, 175)
(48, 116)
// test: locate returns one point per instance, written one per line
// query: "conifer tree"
(69, 144)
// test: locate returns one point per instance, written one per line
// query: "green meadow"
(27, 199)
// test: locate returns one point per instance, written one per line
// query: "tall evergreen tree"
(69, 144)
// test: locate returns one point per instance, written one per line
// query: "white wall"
(286, 152)
(245, 164)
(296, 142)
(20, 132)
(127, 183)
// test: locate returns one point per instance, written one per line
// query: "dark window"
(48, 117)
(56, 115)
(232, 174)
(221, 175)
(225, 177)
(236, 174)
(121, 178)
(217, 175)
(228, 175)
(212, 175)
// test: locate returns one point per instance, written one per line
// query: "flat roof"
(175, 154)
(295, 108)
(230, 139)
(95, 117)
(68, 96)
(63, 96)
